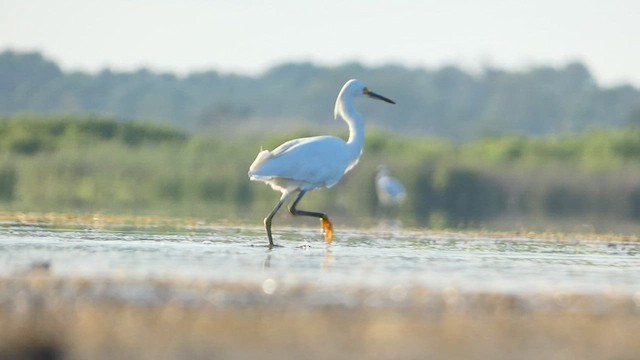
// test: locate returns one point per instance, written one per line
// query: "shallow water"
(365, 259)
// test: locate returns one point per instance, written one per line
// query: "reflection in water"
(362, 258)
(328, 259)
(267, 261)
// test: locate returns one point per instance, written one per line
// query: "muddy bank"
(49, 317)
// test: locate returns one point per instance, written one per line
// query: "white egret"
(305, 164)
(389, 190)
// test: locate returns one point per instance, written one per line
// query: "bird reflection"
(327, 259)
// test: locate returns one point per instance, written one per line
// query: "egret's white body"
(304, 164)
(314, 162)
(389, 190)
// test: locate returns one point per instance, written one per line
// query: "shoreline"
(112, 222)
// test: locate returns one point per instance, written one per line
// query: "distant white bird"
(389, 190)
(305, 164)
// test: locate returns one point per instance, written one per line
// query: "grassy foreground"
(49, 318)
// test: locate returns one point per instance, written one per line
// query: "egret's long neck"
(348, 113)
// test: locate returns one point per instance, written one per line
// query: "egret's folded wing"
(317, 161)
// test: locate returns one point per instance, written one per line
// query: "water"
(363, 259)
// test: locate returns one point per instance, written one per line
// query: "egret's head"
(354, 88)
(382, 169)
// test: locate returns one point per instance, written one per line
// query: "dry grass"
(95, 220)
(77, 318)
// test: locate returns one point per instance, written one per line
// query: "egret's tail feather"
(254, 169)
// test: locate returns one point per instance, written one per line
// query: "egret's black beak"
(373, 95)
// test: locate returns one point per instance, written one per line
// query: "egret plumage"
(305, 164)
(389, 190)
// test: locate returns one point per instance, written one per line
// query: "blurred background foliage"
(88, 163)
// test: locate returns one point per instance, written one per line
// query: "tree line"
(446, 102)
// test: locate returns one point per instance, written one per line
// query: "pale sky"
(249, 36)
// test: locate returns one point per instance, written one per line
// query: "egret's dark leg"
(267, 220)
(327, 227)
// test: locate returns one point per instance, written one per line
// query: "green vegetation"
(92, 164)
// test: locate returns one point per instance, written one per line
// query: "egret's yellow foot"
(327, 230)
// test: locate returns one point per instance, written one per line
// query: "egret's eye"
(365, 91)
